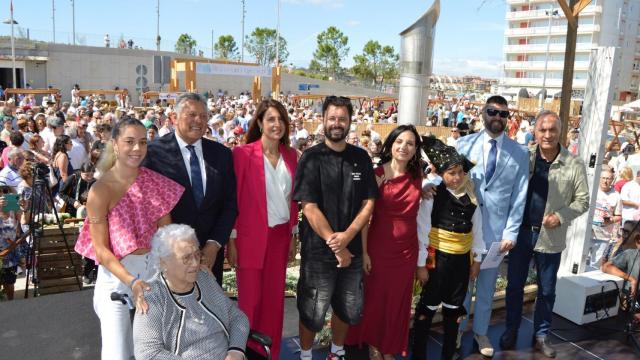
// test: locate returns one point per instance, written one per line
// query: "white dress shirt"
(186, 156)
(278, 186)
(486, 147)
(424, 227)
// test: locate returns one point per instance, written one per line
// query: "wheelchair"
(260, 338)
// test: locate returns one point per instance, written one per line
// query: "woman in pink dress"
(125, 208)
(390, 248)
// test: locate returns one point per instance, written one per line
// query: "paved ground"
(64, 326)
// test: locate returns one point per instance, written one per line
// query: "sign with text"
(232, 69)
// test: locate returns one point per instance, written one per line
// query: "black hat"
(442, 156)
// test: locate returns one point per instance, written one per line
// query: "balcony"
(539, 65)
(525, 2)
(537, 82)
(541, 14)
(542, 48)
(544, 30)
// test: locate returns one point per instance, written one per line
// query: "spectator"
(60, 164)
(55, 128)
(36, 145)
(630, 199)
(9, 175)
(606, 219)
(152, 132)
(78, 154)
(12, 254)
(7, 123)
(453, 139)
(103, 135)
(16, 140)
(625, 175)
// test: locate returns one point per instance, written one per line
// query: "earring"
(260, 129)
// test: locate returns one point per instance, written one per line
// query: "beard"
(335, 134)
(495, 126)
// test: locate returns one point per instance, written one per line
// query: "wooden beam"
(568, 13)
(580, 6)
(572, 12)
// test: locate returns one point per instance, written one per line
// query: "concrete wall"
(61, 66)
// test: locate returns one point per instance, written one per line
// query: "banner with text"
(232, 69)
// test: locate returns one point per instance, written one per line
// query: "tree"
(262, 45)
(186, 45)
(226, 48)
(377, 63)
(332, 47)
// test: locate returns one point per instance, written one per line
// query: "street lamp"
(551, 13)
(13, 48)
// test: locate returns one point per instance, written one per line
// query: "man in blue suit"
(205, 169)
(500, 178)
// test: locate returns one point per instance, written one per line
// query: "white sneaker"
(484, 345)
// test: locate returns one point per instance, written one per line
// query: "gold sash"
(450, 242)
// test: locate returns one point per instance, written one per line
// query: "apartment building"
(535, 34)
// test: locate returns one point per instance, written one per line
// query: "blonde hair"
(626, 173)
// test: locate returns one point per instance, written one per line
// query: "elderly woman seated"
(189, 315)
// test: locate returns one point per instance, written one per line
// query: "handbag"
(53, 178)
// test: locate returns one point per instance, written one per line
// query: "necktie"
(196, 176)
(491, 160)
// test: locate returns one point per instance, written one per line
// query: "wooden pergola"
(15, 91)
(154, 94)
(88, 92)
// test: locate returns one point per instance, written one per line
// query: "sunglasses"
(493, 112)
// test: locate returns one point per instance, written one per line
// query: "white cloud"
(488, 68)
(333, 4)
(353, 23)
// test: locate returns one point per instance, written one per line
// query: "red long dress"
(392, 244)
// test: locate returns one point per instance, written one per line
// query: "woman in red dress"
(390, 248)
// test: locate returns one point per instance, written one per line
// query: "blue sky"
(469, 35)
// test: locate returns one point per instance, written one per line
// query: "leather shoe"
(508, 339)
(545, 347)
(484, 345)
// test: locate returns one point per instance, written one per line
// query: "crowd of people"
(179, 187)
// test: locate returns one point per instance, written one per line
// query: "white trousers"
(115, 321)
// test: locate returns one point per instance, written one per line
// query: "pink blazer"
(251, 223)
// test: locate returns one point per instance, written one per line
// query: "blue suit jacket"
(502, 200)
(216, 216)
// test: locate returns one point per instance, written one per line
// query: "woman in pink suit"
(265, 169)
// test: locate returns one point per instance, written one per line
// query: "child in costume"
(451, 246)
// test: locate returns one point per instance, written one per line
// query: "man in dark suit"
(208, 203)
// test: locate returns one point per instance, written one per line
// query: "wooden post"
(190, 76)
(257, 89)
(174, 85)
(275, 82)
(571, 12)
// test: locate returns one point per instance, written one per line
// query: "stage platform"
(64, 326)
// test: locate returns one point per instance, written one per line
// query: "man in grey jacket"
(557, 194)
